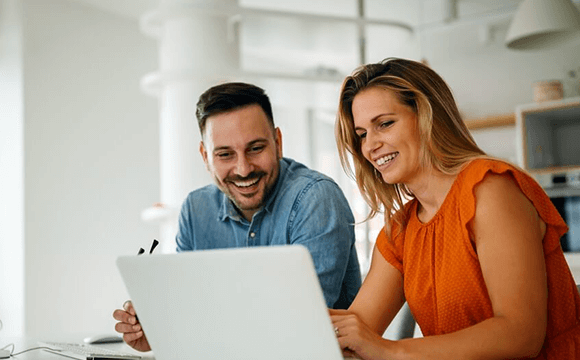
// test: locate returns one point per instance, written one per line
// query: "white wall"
(489, 79)
(91, 148)
(80, 142)
(11, 171)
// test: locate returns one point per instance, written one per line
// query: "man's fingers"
(127, 328)
(349, 354)
(123, 316)
(120, 315)
(334, 312)
(128, 306)
(130, 337)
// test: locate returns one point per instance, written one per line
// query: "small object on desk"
(103, 339)
(86, 352)
(153, 246)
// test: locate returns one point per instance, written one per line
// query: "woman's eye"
(385, 124)
(362, 135)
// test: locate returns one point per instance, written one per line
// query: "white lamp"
(543, 23)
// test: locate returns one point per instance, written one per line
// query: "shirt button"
(252, 234)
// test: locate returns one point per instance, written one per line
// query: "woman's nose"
(371, 142)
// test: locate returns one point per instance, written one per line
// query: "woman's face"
(388, 133)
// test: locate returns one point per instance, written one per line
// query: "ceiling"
(468, 8)
(128, 8)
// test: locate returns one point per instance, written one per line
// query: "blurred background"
(98, 137)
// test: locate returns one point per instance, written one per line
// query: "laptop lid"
(259, 303)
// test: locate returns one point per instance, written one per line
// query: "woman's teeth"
(386, 159)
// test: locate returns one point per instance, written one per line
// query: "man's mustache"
(251, 176)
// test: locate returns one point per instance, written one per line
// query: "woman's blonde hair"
(446, 143)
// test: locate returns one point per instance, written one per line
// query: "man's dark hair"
(231, 96)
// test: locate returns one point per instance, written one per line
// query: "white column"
(12, 222)
(198, 48)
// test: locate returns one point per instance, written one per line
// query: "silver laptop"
(252, 303)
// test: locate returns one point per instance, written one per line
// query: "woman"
(470, 242)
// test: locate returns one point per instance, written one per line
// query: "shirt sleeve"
(390, 251)
(184, 237)
(321, 220)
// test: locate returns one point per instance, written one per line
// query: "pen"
(153, 246)
(142, 251)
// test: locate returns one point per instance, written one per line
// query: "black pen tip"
(155, 243)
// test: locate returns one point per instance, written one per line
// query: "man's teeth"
(246, 183)
(386, 159)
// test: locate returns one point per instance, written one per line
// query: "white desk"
(24, 343)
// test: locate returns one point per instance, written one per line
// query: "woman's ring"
(336, 331)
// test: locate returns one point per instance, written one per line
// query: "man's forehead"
(237, 128)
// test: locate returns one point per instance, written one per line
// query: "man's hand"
(130, 327)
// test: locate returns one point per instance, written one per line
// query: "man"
(260, 198)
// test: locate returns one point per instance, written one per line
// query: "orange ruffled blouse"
(443, 281)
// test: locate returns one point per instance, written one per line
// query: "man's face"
(242, 152)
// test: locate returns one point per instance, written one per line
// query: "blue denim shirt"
(305, 207)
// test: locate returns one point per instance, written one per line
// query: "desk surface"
(23, 343)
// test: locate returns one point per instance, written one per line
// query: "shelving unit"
(548, 146)
(547, 137)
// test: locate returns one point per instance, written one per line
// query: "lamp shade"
(543, 23)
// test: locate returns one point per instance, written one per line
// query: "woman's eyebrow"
(375, 119)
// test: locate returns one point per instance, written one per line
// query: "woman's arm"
(381, 295)
(361, 327)
(508, 237)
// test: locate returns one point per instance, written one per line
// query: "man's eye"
(256, 148)
(223, 155)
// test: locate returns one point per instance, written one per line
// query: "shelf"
(562, 191)
(549, 105)
(501, 120)
(159, 213)
(554, 170)
(547, 136)
(491, 121)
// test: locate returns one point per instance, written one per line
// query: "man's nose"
(243, 166)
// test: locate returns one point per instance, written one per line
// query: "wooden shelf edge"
(553, 169)
(491, 121)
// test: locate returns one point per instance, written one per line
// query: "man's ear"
(278, 139)
(203, 153)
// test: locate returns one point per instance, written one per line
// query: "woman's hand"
(355, 337)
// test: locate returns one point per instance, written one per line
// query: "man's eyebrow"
(375, 119)
(257, 141)
(220, 148)
(251, 143)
